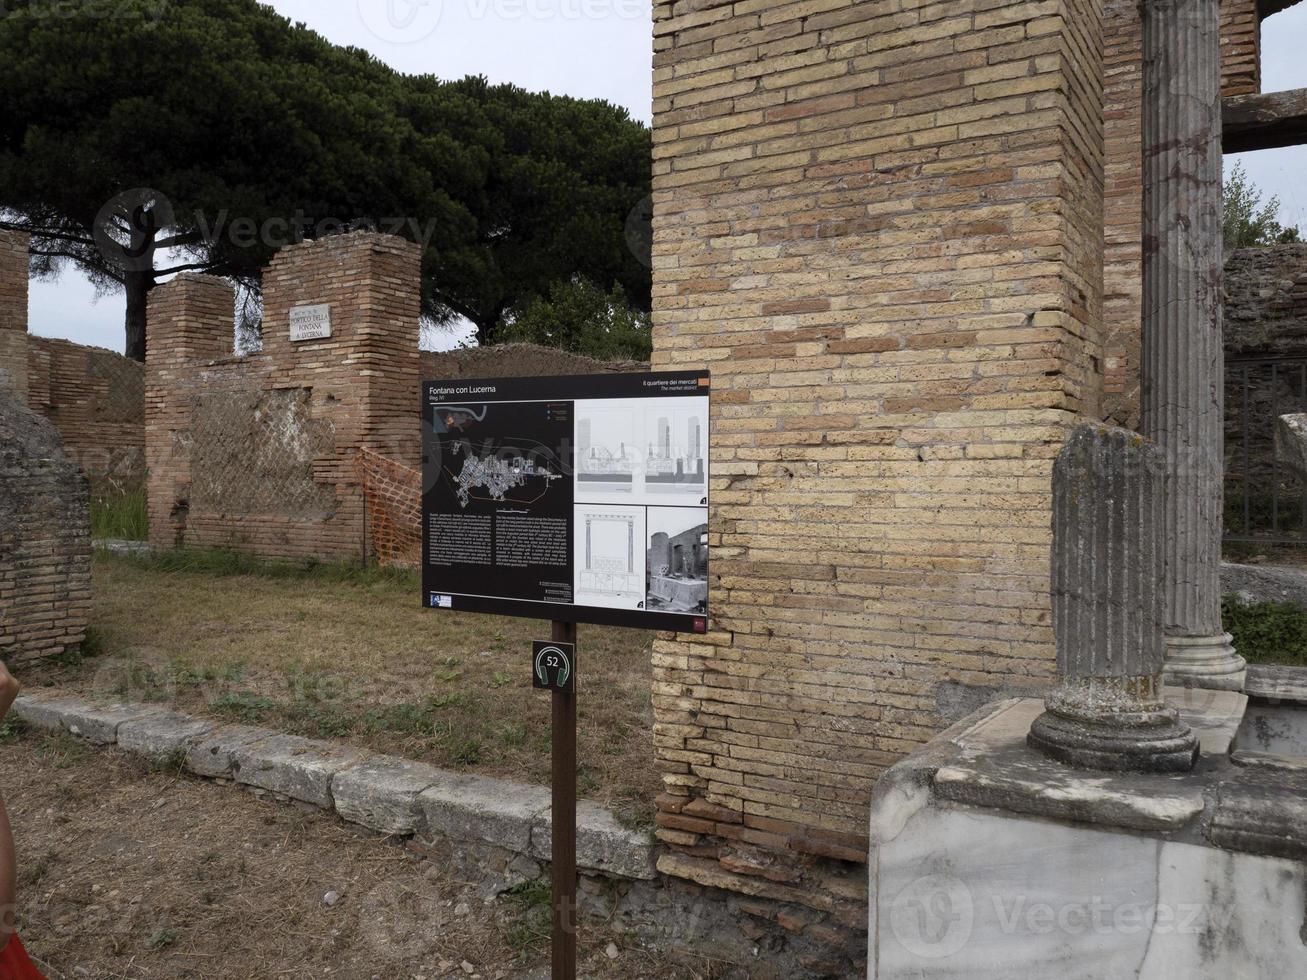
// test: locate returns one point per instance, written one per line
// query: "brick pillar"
(881, 229)
(190, 319)
(365, 376)
(13, 313)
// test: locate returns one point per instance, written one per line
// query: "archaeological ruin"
(919, 247)
(910, 244)
(259, 452)
(45, 529)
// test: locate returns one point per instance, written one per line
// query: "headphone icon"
(564, 665)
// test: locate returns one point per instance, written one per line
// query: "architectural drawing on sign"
(677, 456)
(497, 475)
(605, 459)
(609, 567)
(677, 559)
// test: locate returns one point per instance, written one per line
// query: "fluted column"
(1183, 360)
(1107, 712)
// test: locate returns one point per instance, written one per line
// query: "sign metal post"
(563, 816)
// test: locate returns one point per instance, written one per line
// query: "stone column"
(1107, 712)
(1183, 359)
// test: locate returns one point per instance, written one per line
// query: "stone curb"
(387, 794)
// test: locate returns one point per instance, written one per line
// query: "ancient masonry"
(94, 397)
(1266, 301)
(259, 452)
(881, 229)
(45, 539)
(13, 314)
(45, 527)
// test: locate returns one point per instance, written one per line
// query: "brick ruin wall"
(13, 313)
(45, 530)
(1123, 222)
(96, 399)
(45, 540)
(257, 452)
(880, 228)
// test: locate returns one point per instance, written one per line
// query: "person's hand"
(9, 689)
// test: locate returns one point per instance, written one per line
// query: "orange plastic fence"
(393, 496)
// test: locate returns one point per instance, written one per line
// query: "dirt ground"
(356, 658)
(131, 873)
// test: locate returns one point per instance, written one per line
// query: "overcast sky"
(590, 49)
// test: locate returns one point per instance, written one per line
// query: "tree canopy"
(1247, 220)
(253, 132)
(579, 317)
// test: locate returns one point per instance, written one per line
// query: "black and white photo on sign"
(677, 559)
(642, 450)
(609, 561)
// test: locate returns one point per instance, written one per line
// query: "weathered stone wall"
(13, 313)
(1123, 221)
(258, 452)
(1266, 301)
(45, 539)
(515, 361)
(1266, 376)
(880, 228)
(96, 399)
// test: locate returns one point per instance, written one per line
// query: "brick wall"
(1123, 83)
(96, 400)
(258, 452)
(880, 227)
(45, 540)
(1241, 47)
(13, 313)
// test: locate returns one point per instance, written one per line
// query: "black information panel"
(581, 498)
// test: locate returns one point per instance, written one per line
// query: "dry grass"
(328, 654)
(127, 872)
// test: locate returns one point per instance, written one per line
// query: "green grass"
(120, 514)
(532, 922)
(12, 727)
(244, 706)
(1267, 632)
(162, 939)
(225, 562)
(336, 651)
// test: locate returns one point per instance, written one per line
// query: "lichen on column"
(1108, 712)
(1183, 403)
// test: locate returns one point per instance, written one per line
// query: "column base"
(1209, 662)
(1149, 738)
